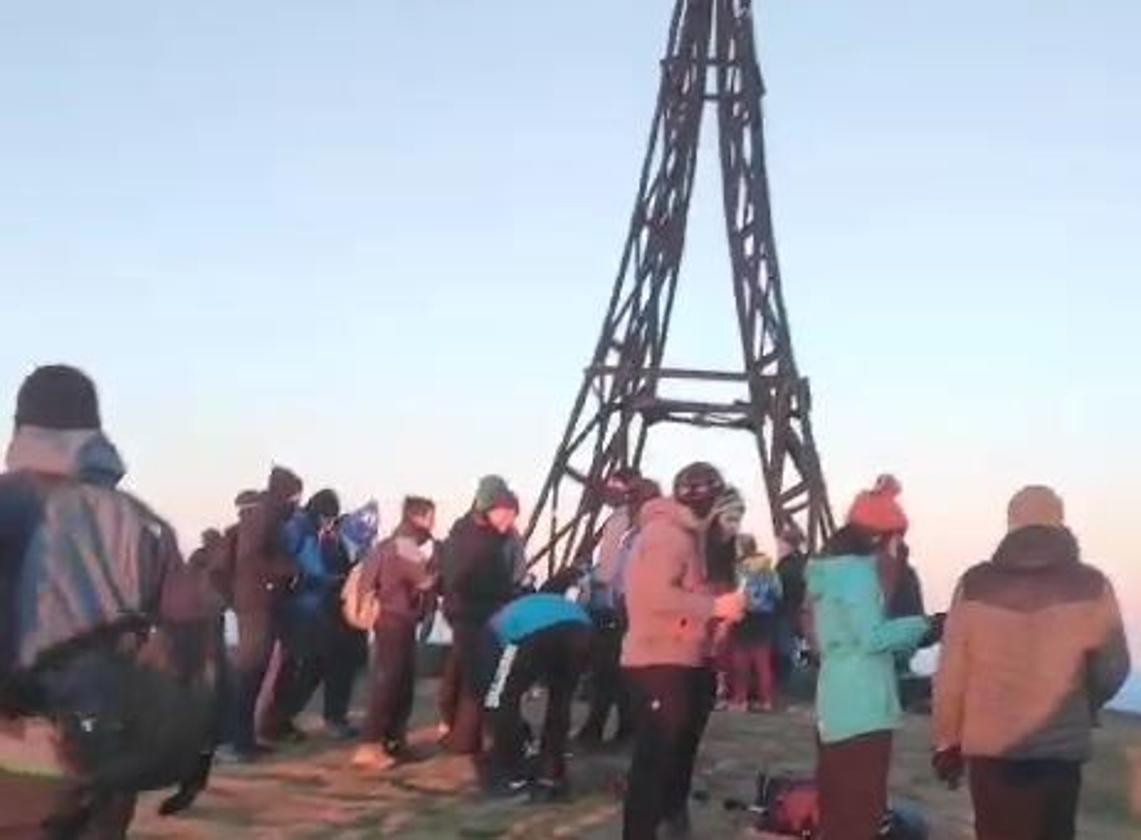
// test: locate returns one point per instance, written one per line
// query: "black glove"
(934, 631)
(948, 766)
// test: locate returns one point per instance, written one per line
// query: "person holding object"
(1033, 648)
(857, 700)
(668, 649)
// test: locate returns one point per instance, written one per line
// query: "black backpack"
(135, 708)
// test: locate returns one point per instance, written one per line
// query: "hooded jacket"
(1033, 646)
(78, 558)
(856, 691)
(478, 571)
(76, 554)
(401, 576)
(263, 567)
(669, 603)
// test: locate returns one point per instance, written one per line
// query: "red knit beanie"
(877, 509)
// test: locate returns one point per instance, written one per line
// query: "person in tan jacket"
(1033, 647)
(666, 654)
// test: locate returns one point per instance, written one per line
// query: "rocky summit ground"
(310, 792)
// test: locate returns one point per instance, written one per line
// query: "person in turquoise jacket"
(857, 700)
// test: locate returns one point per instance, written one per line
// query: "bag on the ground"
(790, 807)
(360, 606)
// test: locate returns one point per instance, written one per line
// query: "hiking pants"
(753, 660)
(1025, 800)
(607, 685)
(671, 705)
(393, 682)
(466, 735)
(334, 667)
(851, 776)
(554, 657)
(257, 632)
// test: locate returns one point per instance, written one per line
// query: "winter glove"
(948, 766)
(934, 630)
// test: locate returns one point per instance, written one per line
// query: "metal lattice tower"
(710, 60)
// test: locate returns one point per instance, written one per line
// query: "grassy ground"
(310, 792)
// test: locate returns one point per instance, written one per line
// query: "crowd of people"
(115, 675)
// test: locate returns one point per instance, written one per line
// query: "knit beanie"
(325, 504)
(877, 510)
(493, 492)
(58, 397)
(1035, 505)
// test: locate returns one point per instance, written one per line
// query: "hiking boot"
(545, 791)
(287, 733)
(518, 786)
(371, 758)
(229, 755)
(677, 827)
(341, 730)
(397, 748)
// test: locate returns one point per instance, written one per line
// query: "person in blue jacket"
(310, 614)
(857, 701)
(537, 638)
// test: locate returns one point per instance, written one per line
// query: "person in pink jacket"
(668, 648)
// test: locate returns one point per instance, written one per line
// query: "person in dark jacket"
(1033, 647)
(263, 572)
(311, 617)
(405, 583)
(69, 536)
(539, 638)
(790, 568)
(478, 577)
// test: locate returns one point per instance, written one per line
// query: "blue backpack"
(762, 593)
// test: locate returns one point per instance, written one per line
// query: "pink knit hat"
(877, 509)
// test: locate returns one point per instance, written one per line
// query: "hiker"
(135, 615)
(1033, 648)
(857, 704)
(478, 570)
(264, 570)
(405, 584)
(791, 561)
(606, 688)
(668, 649)
(539, 638)
(752, 638)
(313, 652)
(722, 555)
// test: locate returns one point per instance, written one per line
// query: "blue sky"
(373, 240)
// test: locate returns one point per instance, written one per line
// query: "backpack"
(360, 605)
(761, 594)
(134, 709)
(790, 807)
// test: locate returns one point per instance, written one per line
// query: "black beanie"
(58, 397)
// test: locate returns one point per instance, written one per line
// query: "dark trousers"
(35, 808)
(556, 658)
(672, 706)
(393, 682)
(332, 665)
(257, 632)
(450, 683)
(1025, 800)
(851, 776)
(466, 736)
(608, 688)
(753, 660)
